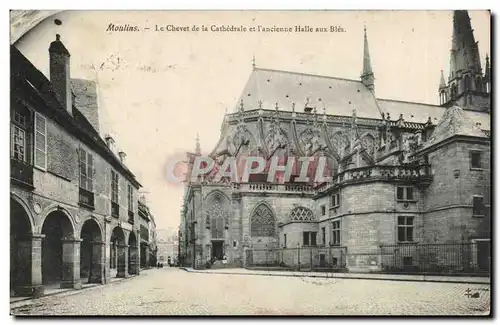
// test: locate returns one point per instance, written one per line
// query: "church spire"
(198, 147)
(367, 77)
(464, 49)
(487, 71)
(487, 75)
(442, 83)
(443, 94)
(466, 85)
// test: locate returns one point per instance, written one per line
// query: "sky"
(158, 89)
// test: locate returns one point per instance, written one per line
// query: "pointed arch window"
(217, 216)
(467, 83)
(262, 222)
(479, 84)
(453, 91)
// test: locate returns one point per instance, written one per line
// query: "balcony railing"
(21, 173)
(115, 209)
(86, 198)
(274, 188)
(420, 173)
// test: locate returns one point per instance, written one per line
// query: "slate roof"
(29, 83)
(453, 122)
(339, 96)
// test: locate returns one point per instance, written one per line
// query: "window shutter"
(40, 141)
(90, 172)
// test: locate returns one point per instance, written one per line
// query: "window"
(323, 210)
(335, 233)
(405, 193)
(478, 206)
(467, 83)
(262, 222)
(323, 235)
(18, 143)
(479, 84)
(405, 229)
(475, 159)
(309, 238)
(114, 186)
(86, 170)
(130, 198)
(313, 238)
(335, 199)
(115, 207)
(40, 141)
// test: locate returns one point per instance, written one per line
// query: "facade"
(168, 245)
(410, 181)
(74, 203)
(147, 228)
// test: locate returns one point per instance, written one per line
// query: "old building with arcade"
(410, 181)
(73, 201)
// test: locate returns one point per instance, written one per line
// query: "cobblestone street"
(173, 291)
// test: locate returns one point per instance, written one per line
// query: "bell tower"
(467, 86)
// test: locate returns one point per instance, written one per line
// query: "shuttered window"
(86, 170)
(40, 141)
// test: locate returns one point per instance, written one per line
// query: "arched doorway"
(132, 254)
(217, 219)
(118, 253)
(91, 253)
(60, 259)
(20, 248)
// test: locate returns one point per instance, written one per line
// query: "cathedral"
(410, 182)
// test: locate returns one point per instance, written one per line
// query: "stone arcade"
(74, 203)
(405, 174)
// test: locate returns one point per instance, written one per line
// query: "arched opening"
(341, 143)
(263, 233)
(479, 84)
(57, 228)
(453, 91)
(467, 83)
(91, 253)
(217, 220)
(118, 253)
(20, 260)
(132, 254)
(442, 97)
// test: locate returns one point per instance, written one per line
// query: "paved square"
(176, 292)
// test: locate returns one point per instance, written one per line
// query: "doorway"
(217, 249)
(483, 255)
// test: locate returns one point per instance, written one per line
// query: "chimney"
(59, 73)
(122, 155)
(110, 142)
(85, 100)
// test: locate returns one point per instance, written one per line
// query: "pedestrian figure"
(224, 260)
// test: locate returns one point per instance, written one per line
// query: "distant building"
(147, 226)
(410, 181)
(168, 245)
(73, 201)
